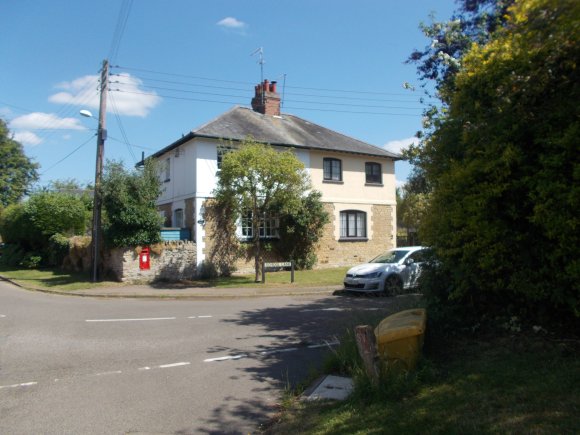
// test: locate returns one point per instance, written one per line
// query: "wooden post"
(292, 271)
(367, 349)
(263, 272)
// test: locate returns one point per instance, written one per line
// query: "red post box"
(144, 259)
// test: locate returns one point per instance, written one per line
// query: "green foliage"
(259, 179)
(17, 172)
(39, 227)
(129, 201)
(57, 213)
(12, 255)
(301, 229)
(58, 249)
(503, 163)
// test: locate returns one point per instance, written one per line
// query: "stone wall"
(334, 253)
(171, 261)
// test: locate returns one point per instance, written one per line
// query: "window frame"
(269, 226)
(355, 218)
(167, 169)
(221, 151)
(178, 212)
(330, 161)
(373, 165)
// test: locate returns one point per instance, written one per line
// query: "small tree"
(255, 179)
(17, 171)
(129, 202)
(301, 229)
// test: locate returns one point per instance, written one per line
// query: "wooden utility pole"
(101, 137)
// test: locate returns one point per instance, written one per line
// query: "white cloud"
(397, 146)
(127, 95)
(231, 23)
(45, 121)
(27, 138)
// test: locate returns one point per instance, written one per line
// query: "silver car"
(389, 273)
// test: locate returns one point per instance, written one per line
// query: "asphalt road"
(78, 365)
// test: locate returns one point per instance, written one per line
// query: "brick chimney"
(266, 100)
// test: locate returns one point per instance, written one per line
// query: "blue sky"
(181, 63)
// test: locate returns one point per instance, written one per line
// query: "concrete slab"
(330, 388)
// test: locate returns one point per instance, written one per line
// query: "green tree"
(17, 171)
(259, 180)
(41, 224)
(301, 229)
(129, 202)
(503, 164)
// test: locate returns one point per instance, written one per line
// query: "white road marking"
(25, 384)
(273, 351)
(2, 315)
(322, 309)
(330, 343)
(166, 366)
(115, 372)
(144, 368)
(226, 358)
(204, 317)
(131, 320)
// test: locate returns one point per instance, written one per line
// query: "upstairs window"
(222, 150)
(167, 169)
(269, 225)
(332, 169)
(374, 174)
(353, 224)
(178, 218)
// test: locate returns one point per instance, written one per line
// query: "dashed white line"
(144, 368)
(114, 372)
(2, 315)
(25, 384)
(166, 366)
(131, 320)
(200, 317)
(226, 358)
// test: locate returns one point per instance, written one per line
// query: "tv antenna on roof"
(260, 52)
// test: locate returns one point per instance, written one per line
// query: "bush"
(58, 249)
(31, 261)
(12, 255)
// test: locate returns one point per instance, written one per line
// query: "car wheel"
(393, 286)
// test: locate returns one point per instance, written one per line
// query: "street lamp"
(101, 137)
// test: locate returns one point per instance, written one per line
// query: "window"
(178, 218)
(373, 172)
(269, 225)
(332, 169)
(353, 224)
(222, 150)
(167, 169)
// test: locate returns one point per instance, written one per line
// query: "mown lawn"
(500, 386)
(55, 279)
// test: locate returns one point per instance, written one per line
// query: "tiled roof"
(285, 130)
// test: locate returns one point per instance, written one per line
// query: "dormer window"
(332, 169)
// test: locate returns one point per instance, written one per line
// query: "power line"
(349, 91)
(245, 105)
(68, 155)
(122, 129)
(122, 19)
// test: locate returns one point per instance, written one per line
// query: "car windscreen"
(390, 257)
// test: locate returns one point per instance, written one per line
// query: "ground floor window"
(353, 224)
(269, 225)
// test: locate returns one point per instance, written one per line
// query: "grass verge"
(513, 385)
(58, 280)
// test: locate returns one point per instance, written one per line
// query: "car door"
(413, 265)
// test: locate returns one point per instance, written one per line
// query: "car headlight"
(374, 275)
